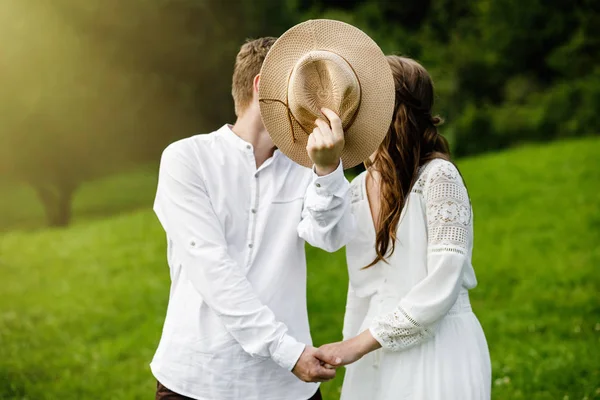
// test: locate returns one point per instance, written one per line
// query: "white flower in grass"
(502, 381)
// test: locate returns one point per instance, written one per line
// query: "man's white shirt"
(237, 320)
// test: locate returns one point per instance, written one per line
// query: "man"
(236, 211)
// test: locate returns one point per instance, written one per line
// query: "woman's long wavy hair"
(411, 141)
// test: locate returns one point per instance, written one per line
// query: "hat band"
(291, 116)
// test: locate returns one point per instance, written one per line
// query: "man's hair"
(247, 65)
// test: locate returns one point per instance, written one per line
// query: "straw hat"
(326, 63)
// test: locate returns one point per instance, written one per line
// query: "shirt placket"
(253, 209)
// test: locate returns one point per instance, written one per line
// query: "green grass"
(82, 308)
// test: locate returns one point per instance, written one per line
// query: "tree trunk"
(57, 201)
(64, 207)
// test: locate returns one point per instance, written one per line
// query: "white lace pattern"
(448, 209)
(398, 331)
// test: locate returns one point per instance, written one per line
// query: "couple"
(238, 204)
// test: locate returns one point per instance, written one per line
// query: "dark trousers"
(162, 393)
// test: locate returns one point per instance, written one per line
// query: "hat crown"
(326, 63)
(323, 79)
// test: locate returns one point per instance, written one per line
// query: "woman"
(410, 265)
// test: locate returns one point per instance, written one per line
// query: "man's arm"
(185, 211)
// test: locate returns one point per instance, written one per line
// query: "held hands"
(349, 351)
(318, 365)
(326, 142)
(310, 367)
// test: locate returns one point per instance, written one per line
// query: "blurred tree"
(91, 88)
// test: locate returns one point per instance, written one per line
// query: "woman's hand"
(343, 353)
(350, 350)
(326, 142)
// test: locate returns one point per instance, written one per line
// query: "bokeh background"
(92, 91)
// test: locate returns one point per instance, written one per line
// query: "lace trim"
(447, 249)
(448, 190)
(449, 235)
(412, 321)
(397, 330)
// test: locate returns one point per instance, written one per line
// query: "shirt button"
(250, 245)
(253, 211)
(317, 184)
(248, 147)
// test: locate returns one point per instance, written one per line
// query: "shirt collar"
(234, 139)
(238, 142)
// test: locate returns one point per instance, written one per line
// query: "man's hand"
(309, 367)
(325, 143)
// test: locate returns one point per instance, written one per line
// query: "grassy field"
(82, 308)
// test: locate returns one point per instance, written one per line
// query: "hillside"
(82, 308)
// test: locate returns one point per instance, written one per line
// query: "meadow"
(82, 307)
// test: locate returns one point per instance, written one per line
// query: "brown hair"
(411, 141)
(247, 65)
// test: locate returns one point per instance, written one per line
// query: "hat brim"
(375, 113)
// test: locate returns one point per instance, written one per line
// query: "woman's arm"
(415, 318)
(448, 213)
(327, 220)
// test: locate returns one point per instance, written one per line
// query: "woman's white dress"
(417, 305)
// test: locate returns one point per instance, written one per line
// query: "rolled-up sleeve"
(327, 220)
(185, 211)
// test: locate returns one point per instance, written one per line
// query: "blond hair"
(247, 65)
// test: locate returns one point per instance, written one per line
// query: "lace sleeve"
(448, 211)
(398, 331)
